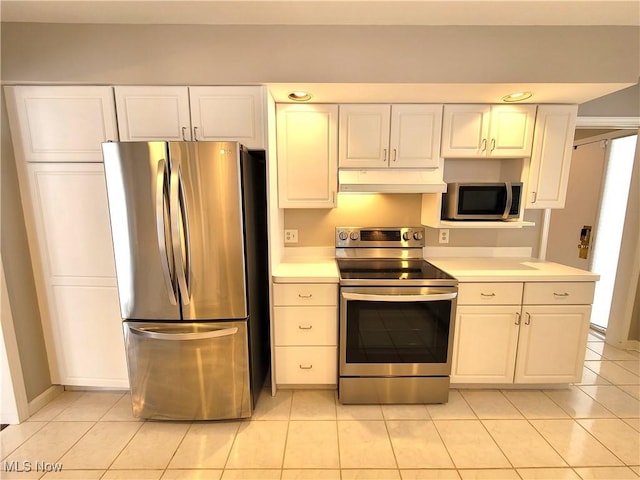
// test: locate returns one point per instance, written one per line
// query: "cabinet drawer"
(550, 293)
(305, 294)
(316, 325)
(306, 365)
(490, 293)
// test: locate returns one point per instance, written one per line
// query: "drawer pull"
(565, 294)
(528, 320)
(305, 367)
(517, 318)
(487, 294)
(305, 327)
(300, 295)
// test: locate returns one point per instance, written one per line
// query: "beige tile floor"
(590, 430)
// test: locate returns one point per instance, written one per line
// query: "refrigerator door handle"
(158, 334)
(165, 258)
(180, 232)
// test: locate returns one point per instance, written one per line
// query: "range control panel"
(379, 237)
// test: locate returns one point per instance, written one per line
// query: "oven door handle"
(400, 298)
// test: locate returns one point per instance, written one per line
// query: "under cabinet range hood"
(391, 181)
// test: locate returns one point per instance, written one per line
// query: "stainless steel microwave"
(482, 201)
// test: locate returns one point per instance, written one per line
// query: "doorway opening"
(620, 154)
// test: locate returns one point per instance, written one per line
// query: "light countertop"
(298, 269)
(312, 269)
(512, 269)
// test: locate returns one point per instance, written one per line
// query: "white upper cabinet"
(229, 113)
(153, 113)
(390, 136)
(307, 155)
(61, 123)
(551, 156)
(499, 131)
(215, 113)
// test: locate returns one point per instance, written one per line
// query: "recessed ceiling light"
(517, 97)
(300, 96)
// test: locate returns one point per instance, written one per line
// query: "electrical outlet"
(291, 236)
(443, 235)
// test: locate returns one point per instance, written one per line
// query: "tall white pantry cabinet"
(57, 133)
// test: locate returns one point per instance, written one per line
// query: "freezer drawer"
(188, 371)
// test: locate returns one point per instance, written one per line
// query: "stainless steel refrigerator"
(188, 222)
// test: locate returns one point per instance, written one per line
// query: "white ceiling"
(326, 12)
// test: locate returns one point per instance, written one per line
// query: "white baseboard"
(45, 397)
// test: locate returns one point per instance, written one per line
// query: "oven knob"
(343, 235)
(354, 235)
(406, 236)
(418, 235)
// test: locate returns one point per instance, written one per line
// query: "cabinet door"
(552, 343)
(61, 123)
(551, 156)
(465, 131)
(415, 136)
(229, 113)
(485, 342)
(364, 136)
(511, 131)
(307, 155)
(153, 113)
(73, 259)
(88, 336)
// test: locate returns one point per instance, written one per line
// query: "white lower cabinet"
(513, 332)
(306, 334)
(72, 254)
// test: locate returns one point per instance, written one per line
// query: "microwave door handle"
(507, 207)
(400, 298)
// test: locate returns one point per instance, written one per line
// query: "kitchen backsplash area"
(316, 227)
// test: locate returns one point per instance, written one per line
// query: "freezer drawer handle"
(143, 332)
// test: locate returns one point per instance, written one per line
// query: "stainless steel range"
(397, 316)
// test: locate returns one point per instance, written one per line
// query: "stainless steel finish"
(190, 240)
(161, 230)
(377, 390)
(397, 295)
(156, 332)
(354, 238)
(509, 201)
(424, 378)
(395, 369)
(178, 371)
(212, 197)
(142, 257)
(451, 199)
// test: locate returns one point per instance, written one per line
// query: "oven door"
(396, 331)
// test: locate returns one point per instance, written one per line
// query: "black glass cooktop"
(389, 269)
